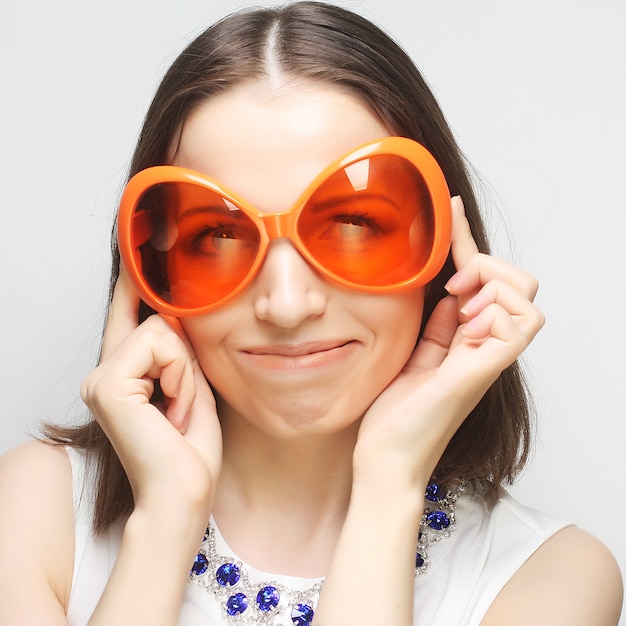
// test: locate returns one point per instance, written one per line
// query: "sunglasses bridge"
(277, 225)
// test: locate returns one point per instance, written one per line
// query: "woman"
(275, 426)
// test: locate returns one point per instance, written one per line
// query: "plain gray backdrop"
(535, 92)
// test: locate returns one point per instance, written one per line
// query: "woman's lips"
(300, 356)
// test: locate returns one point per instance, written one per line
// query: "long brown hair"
(321, 42)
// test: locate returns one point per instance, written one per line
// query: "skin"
(346, 441)
(266, 353)
(281, 396)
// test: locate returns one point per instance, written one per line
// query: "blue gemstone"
(438, 520)
(227, 574)
(419, 560)
(268, 598)
(302, 615)
(435, 493)
(237, 604)
(200, 565)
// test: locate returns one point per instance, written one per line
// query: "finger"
(176, 325)
(123, 315)
(174, 368)
(123, 384)
(154, 352)
(202, 424)
(179, 409)
(482, 268)
(463, 246)
(530, 317)
(183, 385)
(495, 321)
(437, 337)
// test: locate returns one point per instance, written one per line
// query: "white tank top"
(467, 571)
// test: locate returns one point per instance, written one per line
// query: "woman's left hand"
(472, 335)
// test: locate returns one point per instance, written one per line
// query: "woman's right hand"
(171, 453)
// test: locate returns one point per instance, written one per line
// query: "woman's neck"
(283, 497)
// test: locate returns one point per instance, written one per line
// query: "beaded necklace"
(272, 604)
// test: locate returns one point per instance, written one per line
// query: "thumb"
(437, 337)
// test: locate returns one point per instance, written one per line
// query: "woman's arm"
(147, 582)
(372, 576)
(171, 454)
(471, 337)
(36, 535)
(37, 549)
(571, 580)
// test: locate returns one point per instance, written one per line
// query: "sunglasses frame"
(284, 224)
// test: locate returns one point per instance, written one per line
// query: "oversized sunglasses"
(376, 220)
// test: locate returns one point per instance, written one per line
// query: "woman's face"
(294, 354)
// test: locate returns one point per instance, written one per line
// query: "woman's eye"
(213, 239)
(351, 227)
(222, 235)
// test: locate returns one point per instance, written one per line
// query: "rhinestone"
(435, 493)
(227, 574)
(302, 615)
(438, 520)
(268, 598)
(200, 565)
(237, 604)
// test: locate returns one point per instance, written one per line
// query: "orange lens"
(377, 220)
(370, 223)
(193, 246)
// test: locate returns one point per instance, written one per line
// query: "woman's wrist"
(182, 525)
(158, 543)
(389, 478)
(376, 550)
(389, 500)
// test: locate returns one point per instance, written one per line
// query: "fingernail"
(453, 280)
(457, 203)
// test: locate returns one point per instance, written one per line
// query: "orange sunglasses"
(376, 220)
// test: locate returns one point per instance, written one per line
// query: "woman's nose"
(287, 289)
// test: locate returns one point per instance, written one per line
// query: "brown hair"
(321, 42)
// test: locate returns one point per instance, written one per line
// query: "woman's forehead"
(268, 145)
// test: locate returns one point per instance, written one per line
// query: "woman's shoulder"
(572, 578)
(36, 531)
(507, 563)
(35, 464)
(33, 471)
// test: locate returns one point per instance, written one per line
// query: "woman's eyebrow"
(219, 208)
(337, 201)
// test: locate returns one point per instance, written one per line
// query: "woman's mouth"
(300, 356)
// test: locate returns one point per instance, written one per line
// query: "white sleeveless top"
(467, 571)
